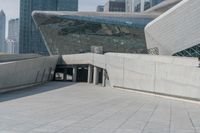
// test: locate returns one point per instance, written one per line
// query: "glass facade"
(147, 4)
(2, 31)
(190, 52)
(77, 34)
(137, 5)
(100, 8)
(115, 6)
(30, 38)
(67, 5)
(155, 2)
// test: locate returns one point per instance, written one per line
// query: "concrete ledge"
(14, 88)
(159, 94)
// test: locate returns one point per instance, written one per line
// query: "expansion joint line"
(170, 117)
(128, 105)
(154, 81)
(123, 70)
(148, 120)
(132, 114)
(191, 121)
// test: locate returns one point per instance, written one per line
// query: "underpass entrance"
(71, 73)
(80, 73)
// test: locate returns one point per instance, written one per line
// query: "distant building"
(100, 8)
(65, 5)
(30, 39)
(115, 6)
(10, 46)
(140, 5)
(147, 4)
(155, 2)
(129, 6)
(2, 30)
(13, 35)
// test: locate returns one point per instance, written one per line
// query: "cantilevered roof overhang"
(60, 20)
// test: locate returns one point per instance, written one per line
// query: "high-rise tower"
(115, 6)
(30, 39)
(2, 30)
(13, 34)
(140, 5)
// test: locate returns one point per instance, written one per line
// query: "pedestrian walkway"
(60, 107)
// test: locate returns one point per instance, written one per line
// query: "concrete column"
(65, 74)
(74, 74)
(104, 78)
(95, 76)
(142, 6)
(89, 74)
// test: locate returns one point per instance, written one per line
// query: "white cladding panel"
(175, 30)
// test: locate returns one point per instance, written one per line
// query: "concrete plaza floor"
(59, 107)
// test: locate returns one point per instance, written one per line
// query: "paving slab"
(63, 107)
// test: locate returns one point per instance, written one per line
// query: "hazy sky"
(11, 7)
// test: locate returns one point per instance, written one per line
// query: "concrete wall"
(17, 74)
(157, 74)
(175, 30)
(168, 75)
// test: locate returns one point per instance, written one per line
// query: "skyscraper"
(13, 34)
(100, 8)
(30, 39)
(140, 5)
(67, 5)
(115, 6)
(2, 30)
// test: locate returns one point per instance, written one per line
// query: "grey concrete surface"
(17, 57)
(60, 107)
(17, 74)
(168, 75)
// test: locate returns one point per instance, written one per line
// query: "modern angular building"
(2, 30)
(30, 38)
(129, 5)
(76, 32)
(72, 35)
(13, 34)
(175, 32)
(115, 6)
(157, 30)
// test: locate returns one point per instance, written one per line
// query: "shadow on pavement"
(33, 90)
